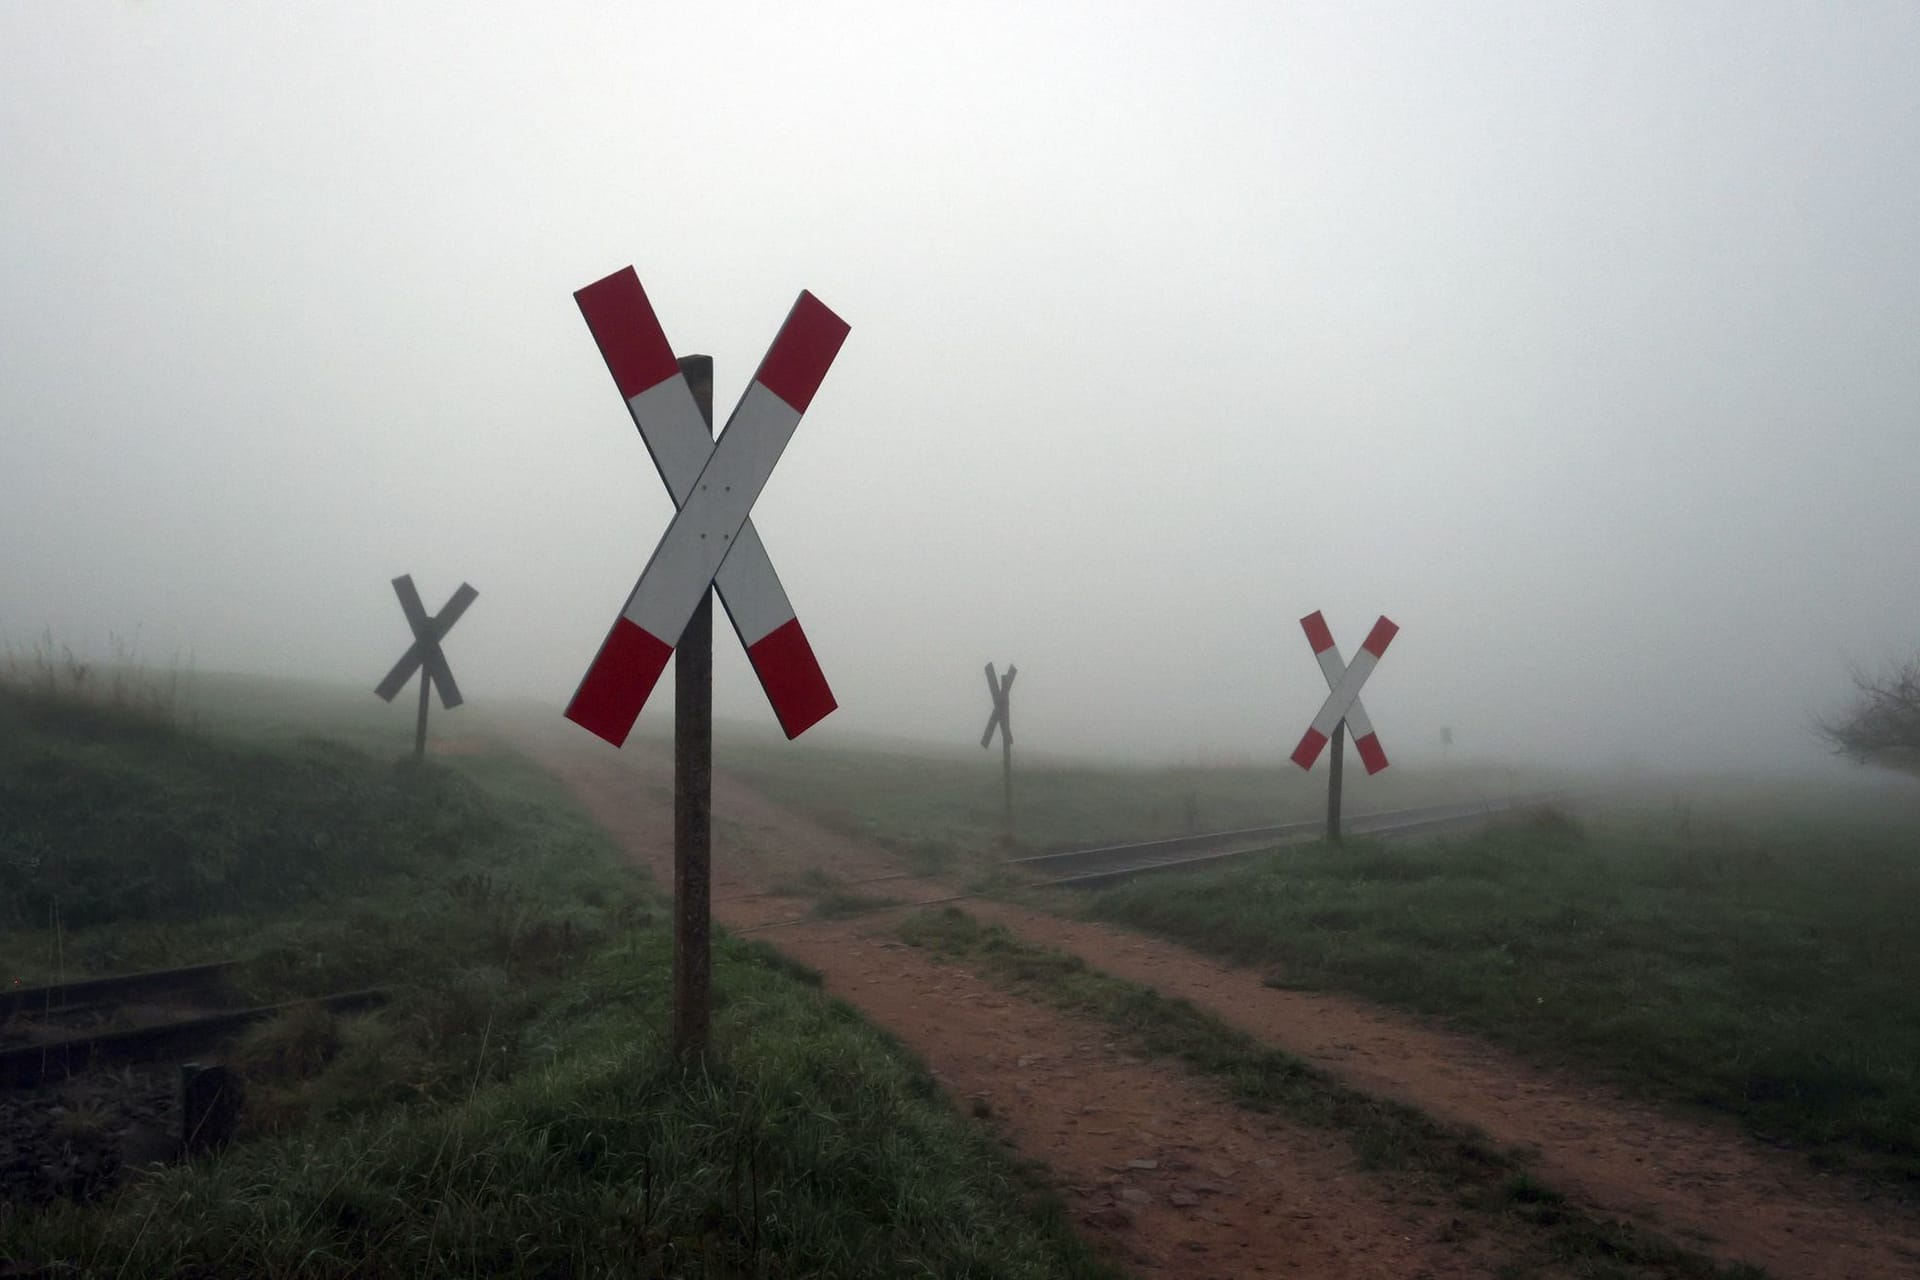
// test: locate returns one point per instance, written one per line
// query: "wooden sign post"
(709, 545)
(1336, 766)
(1001, 719)
(424, 653)
(1342, 706)
(693, 792)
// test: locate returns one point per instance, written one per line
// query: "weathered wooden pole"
(1006, 781)
(420, 726)
(693, 793)
(211, 1098)
(1336, 765)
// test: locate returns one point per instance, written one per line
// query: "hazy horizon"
(1578, 342)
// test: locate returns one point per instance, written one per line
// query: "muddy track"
(1253, 1195)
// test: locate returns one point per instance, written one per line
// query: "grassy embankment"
(1760, 965)
(1424, 1162)
(512, 1111)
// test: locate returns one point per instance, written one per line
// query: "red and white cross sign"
(714, 484)
(1343, 692)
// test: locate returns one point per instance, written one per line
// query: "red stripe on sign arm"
(1380, 637)
(616, 686)
(629, 335)
(1317, 633)
(801, 354)
(791, 675)
(1371, 753)
(1309, 749)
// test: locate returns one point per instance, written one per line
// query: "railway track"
(1108, 864)
(64, 999)
(50, 1032)
(1092, 868)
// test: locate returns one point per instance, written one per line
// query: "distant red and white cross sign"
(1343, 692)
(711, 541)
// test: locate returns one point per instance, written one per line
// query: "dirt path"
(1174, 1179)
(1702, 1185)
(1231, 1193)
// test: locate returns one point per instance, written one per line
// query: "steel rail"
(62, 997)
(1108, 864)
(1388, 824)
(28, 1065)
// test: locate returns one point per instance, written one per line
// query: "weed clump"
(53, 687)
(1553, 824)
(290, 1046)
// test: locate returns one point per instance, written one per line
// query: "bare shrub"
(1882, 725)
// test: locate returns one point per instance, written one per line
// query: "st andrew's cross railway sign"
(424, 654)
(714, 483)
(1001, 718)
(1343, 692)
(1000, 691)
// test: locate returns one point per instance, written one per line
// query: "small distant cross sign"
(1002, 719)
(1343, 692)
(998, 719)
(1342, 708)
(424, 654)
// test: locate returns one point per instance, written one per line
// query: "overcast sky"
(1583, 341)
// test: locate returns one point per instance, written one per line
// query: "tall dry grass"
(52, 679)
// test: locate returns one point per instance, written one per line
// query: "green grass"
(1545, 1232)
(1748, 948)
(814, 1147)
(512, 1110)
(108, 817)
(1763, 968)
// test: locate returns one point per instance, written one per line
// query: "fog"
(1578, 340)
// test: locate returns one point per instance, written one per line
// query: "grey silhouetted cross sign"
(1002, 719)
(424, 654)
(999, 719)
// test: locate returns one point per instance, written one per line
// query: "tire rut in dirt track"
(1700, 1184)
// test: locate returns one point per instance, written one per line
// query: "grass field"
(513, 1110)
(1761, 965)
(1745, 948)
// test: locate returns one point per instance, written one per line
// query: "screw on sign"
(1001, 718)
(424, 653)
(710, 543)
(1342, 707)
